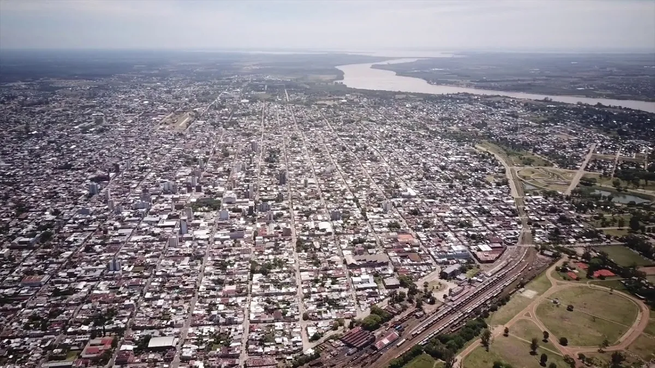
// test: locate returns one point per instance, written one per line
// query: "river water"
(362, 76)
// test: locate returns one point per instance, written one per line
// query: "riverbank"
(364, 76)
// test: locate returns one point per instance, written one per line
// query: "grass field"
(591, 321)
(644, 347)
(518, 302)
(527, 330)
(650, 329)
(614, 308)
(422, 361)
(548, 178)
(616, 232)
(509, 350)
(472, 272)
(579, 328)
(516, 158)
(615, 284)
(624, 256)
(642, 350)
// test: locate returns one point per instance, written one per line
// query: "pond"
(527, 186)
(621, 197)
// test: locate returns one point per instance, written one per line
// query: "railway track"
(451, 314)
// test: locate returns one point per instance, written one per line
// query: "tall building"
(183, 227)
(145, 195)
(282, 177)
(93, 188)
(114, 265)
(193, 180)
(189, 213)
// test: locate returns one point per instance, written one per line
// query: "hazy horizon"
(330, 26)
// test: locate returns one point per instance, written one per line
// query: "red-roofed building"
(582, 266)
(96, 347)
(385, 341)
(572, 275)
(604, 273)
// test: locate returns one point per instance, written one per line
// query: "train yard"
(447, 318)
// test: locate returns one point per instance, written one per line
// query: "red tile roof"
(603, 272)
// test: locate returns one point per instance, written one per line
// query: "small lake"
(527, 186)
(363, 76)
(621, 197)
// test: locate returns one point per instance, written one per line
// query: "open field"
(613, 308)
(422, 361)
(591, 321)
(579, 328)
(472, 272)
(547, 178)
(516, 158)
(527, 330)
(615, 284)
(509, 350)
(518, 301)
(650, 329)
(624, 256)
(643, 347)
(616, 232)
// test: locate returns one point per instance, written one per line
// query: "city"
(252, 223)
(327, 184)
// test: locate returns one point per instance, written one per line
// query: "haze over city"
(535, 25)
(327, 184)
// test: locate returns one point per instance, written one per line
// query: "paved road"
(351, 287)
(516, 190)
(580, 172)
(616, 161)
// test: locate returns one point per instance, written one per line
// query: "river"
(363, 76)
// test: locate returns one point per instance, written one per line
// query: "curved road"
(529, 313)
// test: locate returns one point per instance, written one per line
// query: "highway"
(580, 172)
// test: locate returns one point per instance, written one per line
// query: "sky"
(345, 25)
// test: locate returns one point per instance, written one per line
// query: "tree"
(617, 359)
(563, 341)
(543, 359)
(621, 222)
(634, 223)
(603, 345)
(546, 335)
(506, 332)
(616, 183)
(582, 357)
(486, 338)
(449, 359)
(419, 303)
(570, 361)
(552, 365)
(534, 344)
